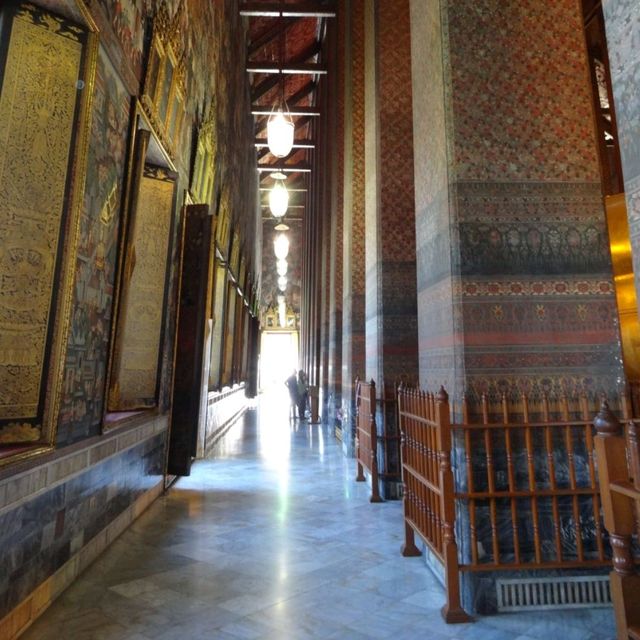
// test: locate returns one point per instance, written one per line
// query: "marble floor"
(271, 538)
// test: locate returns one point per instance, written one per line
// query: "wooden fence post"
(373, 434)
(409, 548)
(359, 470)
(452, 611)
(618, 507)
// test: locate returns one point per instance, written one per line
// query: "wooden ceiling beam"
(257, 110)
(261, 122)
(266, 85)
(289, 189)
(294, 185)
(303, 68)
(303, 92)
(297, 10)
(285, 168)
(260, 143)
(265, 205)
(272, 81)
(269, 35)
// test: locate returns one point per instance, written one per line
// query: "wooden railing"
(525, 490)
(429, 509)
(619, 471)
(366, 436)
(389, 438)
(531, 488)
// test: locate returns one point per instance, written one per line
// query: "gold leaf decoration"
(19, 432)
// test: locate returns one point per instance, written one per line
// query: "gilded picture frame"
(163, 98)
(223, 229)
(234, 260)
(202, 174)
(51, 50)
(148, 241)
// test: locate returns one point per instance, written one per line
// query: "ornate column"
(622, 18)
(391, 322)
(515, 291)
(353, 220)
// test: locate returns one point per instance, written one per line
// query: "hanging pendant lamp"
(278, 199)
(280, 130)
(282, 311)
(281, 267)
(282, 283)
(281, 246)
(280, 127)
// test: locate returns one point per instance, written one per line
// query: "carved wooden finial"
(606, 422)
(442, 395)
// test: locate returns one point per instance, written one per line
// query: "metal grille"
(520, 594)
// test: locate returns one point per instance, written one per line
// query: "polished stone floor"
(271, 538)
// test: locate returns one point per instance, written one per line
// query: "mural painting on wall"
(87, 351)
(39, 129)
(126, 18)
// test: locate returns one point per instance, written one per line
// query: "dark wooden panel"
(192, 312)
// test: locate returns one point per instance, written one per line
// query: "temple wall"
(62, 503)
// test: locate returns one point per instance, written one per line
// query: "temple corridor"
(270, 537)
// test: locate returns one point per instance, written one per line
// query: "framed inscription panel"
(163, 99)
(47, 67)
(135, 374)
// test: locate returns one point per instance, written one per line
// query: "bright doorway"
(278, 358)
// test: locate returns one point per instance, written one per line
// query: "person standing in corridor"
(303, 394)
(292, 384)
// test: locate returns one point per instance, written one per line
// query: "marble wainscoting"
(59, 514)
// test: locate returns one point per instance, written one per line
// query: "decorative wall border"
(35, 604)
(24, 485)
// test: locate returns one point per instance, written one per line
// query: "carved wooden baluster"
(421, 455)
(434, 521)
(626, 406)
(633, 437)
(548, 440)
(584, 409)
(564, 408)
(512, 478)
(409, 548)
(452, 611)
(434, 476)
(431, 470)
(425, 434)
(532, 479)
(359, 412)
(470, 483)
(488, 449)
(373, 443)
(408, 428)
(618, 519)
(418, 432)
